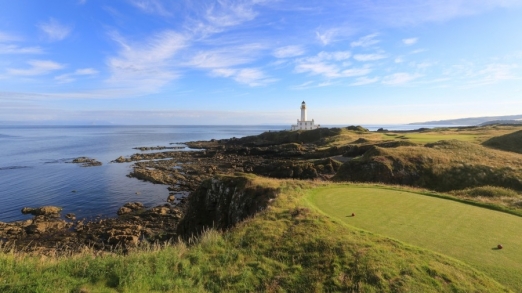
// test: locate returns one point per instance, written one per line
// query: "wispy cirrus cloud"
(400, 78)
(225, 56)
(248, 76)
(217, 16)
(288, 51)
(151, 7)
(37, 67)
(471, 74)
(330, 65)
(5, 37)
(410, 41)
(54, 30)
(15, 49)
(366, 41)
(364, 80)
(369, 57)
(400, 13)
(70, 77)
(332, 35)
(146, 64)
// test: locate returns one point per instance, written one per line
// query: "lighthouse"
(304, 124)
(303, 111)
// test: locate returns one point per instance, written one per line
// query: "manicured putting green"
(465, 232)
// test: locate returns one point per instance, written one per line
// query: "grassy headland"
(288, 247)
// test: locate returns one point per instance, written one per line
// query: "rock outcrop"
(86, 162)
(221, 203)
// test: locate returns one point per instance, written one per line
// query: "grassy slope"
(465, 232)
(286, 248)
(511, 142)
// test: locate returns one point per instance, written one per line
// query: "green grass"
(465, 232)
(287, 248)
(434, 136)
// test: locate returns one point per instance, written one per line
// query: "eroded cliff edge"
(222, 202)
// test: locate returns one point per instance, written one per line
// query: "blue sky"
(255, 61)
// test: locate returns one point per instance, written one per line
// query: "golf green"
(465, 232)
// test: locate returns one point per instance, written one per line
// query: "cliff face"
(222, 202)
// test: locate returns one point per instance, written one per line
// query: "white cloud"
(410, 41)
(38, 67)
(366, 41)
(336, 56)
(326, 37)
(497, 72)
(54, 30)
(288, 51)
(365, 80)
(252, 77)
(400, 13)
(355, 72)
(70, 77)
(148, 63)
(399, 78)
(230, 13)
(331, 35)
(248, 76)
(5, 37)
(318, 68)
(418, 51)
(330, 65)
(225, 56)
(14, 49)
(369, 57)
(398, 60)
(151, 7)
(223, 72)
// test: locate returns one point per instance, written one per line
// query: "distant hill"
(471, 121)
(517, 122)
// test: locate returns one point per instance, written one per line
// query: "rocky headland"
(209, 185)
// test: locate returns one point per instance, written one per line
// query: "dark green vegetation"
(465, 232)
(288, 247)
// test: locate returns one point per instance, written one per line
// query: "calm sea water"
(34, 172)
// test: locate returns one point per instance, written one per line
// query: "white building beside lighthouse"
(304, 124)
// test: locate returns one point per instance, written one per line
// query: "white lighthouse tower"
(303, 124)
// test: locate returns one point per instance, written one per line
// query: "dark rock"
(70, 216)
(129, 208)
(42, 211)
(86, 162)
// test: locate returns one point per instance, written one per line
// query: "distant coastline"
(472, 121)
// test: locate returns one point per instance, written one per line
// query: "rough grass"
(441, 166)
(511, 142)
(289, 247)
(463, 231)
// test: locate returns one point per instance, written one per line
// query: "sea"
(35, 168)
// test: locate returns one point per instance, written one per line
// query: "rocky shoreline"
(292, 155)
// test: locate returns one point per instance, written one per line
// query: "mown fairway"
(465, 232)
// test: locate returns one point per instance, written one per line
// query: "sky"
(227, 62)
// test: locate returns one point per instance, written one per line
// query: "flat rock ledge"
(86, 162)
